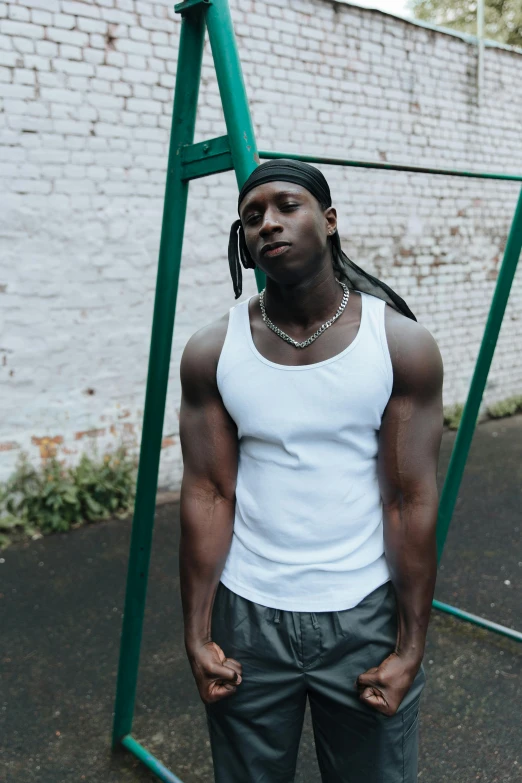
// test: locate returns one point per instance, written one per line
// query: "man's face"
(285, 229)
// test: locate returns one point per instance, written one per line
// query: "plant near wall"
(55, 498)
(497, 410)
(453, 415)
(508, 407)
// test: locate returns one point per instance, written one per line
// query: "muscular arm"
(210, 455)
(409, 443)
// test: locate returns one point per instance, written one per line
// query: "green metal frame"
(237, 150)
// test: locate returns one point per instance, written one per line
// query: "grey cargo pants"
(289, 656)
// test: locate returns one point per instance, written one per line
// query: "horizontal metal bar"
(204, 168)
(149, 760)
(480, 621)
(188, 5)
(227, 165)
(206, 149)
(207, 157)
(367, 164)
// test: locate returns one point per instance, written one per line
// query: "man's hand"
(384, 687)
(217, 676)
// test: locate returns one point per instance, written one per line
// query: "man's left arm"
(409, 443)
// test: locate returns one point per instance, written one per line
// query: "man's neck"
(305, 304)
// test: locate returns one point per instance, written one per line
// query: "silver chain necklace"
(316, 334)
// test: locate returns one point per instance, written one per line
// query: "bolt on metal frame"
(238, 151)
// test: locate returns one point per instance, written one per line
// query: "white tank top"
(308, 528)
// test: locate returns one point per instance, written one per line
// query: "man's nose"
(270, 224)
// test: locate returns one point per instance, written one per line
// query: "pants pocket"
(410, 743)
(236, 623)
(410, 719)
(374, 619)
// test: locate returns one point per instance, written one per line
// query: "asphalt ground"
(62, 599)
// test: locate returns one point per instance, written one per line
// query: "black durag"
(286, 170)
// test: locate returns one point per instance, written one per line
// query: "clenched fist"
(217, 676)
(384, 687)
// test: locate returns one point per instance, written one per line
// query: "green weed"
(508, 407)
(55, 498)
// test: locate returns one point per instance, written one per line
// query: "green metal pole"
(183, 121)
(480, 621)
(471, 409)
(370, 164)
(150, 761)
(232, 89)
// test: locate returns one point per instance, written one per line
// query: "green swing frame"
(238, 151)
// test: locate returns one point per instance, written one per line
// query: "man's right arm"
(209, 445)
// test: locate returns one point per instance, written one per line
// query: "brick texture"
(86, 94)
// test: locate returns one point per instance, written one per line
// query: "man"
(310, 425)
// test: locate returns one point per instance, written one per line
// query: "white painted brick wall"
(85, 109)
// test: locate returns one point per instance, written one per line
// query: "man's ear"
(330, 215)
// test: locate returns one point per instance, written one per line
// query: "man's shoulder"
(414, 353)
(201, 353)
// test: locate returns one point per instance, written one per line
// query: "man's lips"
(275, 250)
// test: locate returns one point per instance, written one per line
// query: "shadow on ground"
(62, 599)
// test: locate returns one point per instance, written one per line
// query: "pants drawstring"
(315, 624)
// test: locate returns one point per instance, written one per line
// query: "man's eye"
(251, 219)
